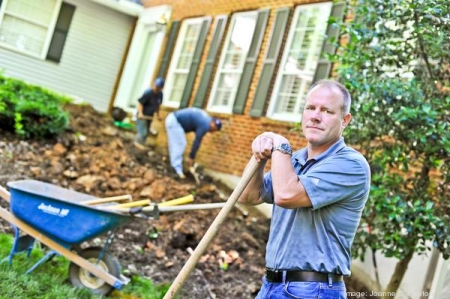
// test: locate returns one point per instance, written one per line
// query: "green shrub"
(394, 61)
(31, 111)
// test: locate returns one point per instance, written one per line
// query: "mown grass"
(51, 281)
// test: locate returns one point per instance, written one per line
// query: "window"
(232, 60)
(28, 26)
(299, 61)
(181, 62)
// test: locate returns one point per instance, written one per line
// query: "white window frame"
(50, 28)
(168, 99)
(306, 77)
(228, 109)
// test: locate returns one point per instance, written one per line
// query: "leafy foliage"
(31, 111)
(395, 62)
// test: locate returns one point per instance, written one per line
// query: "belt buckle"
(274, 275)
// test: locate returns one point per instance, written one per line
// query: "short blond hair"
(347, 99)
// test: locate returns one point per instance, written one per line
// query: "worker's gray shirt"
(320, 238)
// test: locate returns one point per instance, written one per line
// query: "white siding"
(91, 58)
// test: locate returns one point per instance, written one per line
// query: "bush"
(394, 60)
(31, 111)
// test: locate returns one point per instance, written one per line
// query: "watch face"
(284, 148)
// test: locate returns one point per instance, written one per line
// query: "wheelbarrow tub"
(59, 212)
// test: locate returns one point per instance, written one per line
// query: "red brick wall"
(229, 150)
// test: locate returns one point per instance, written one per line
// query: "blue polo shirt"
(150, 101)
(194, 120)
(319, 238)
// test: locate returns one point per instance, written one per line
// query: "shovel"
(212, 230)
(193, 171)
(151, 130)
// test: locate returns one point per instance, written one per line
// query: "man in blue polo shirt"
(148, 105)
(183, 121)
(318, 194)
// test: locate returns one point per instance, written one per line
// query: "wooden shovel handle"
(251, 168)
(108, 199)
(177, 201)
(139, 203)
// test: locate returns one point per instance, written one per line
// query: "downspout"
(122, 65)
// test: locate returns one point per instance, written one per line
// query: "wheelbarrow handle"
(250, 170)
(4, 194)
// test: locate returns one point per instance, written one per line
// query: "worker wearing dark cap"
(183, 121)
(148, 105)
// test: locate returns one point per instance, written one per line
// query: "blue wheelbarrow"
(63, 219)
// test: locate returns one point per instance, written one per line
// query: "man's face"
(156, 88)
(212, 127)
(322, 121)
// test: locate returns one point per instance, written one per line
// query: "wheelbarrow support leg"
(21, 243)
(46, 257)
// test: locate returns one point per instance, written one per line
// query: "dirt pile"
(97, 158)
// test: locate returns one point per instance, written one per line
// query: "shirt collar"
(302, 155)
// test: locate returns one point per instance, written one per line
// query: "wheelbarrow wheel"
(79, 277)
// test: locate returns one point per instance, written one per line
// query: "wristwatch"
(285, 148)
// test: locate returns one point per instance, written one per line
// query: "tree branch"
(422, 48)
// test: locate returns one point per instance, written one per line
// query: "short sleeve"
(336, 178)
(267, 189)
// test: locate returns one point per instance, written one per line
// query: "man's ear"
(347, 119)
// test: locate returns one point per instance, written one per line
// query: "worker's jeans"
(142, 127)
(177, 142)
(303, 290)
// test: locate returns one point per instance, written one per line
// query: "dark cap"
(218, 123)
(159, 82)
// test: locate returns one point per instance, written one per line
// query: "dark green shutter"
(250, 62)
(195, 62)
(219, 29)
(270, 61)
(62, 26)
(170, 44)
(324, 66)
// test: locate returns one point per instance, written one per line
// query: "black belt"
(299, 275)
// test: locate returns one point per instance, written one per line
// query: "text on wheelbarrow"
(54, 211)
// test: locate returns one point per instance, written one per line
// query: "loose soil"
(95, 157)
